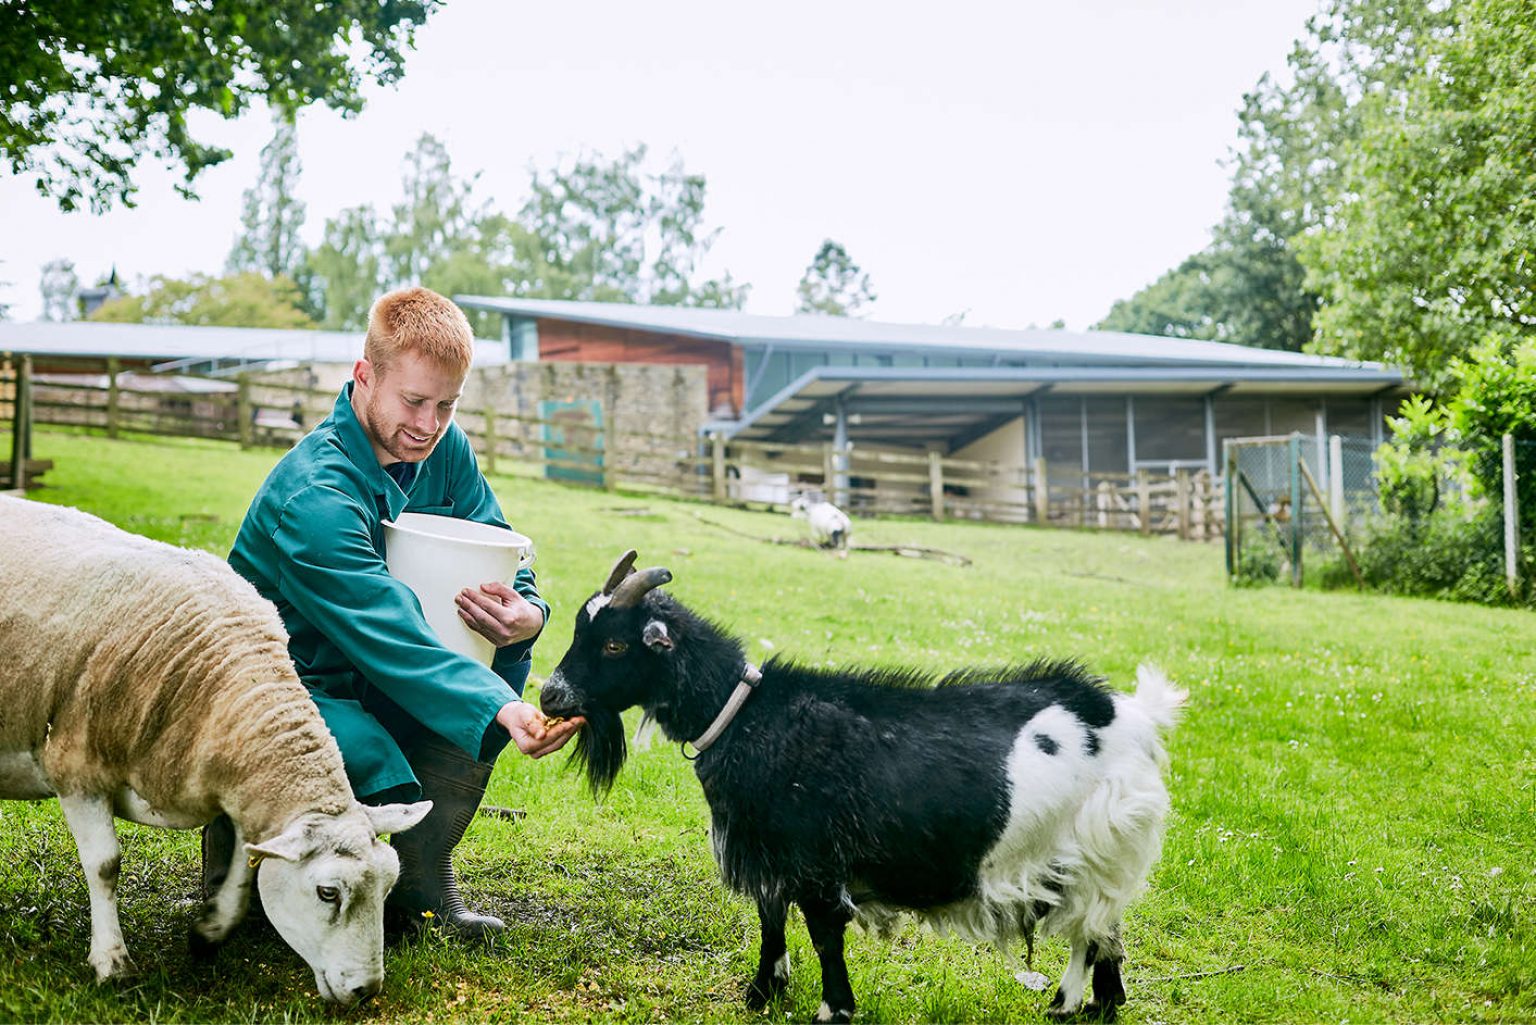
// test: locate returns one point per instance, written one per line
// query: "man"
(411, 717)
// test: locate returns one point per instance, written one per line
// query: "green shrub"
(1259, 560)
(1497, 396)
(1443, 555)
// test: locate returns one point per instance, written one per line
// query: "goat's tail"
(1157, 698)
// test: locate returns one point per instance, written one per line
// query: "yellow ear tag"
(254, 860)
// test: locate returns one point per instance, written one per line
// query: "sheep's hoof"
(827, 1014)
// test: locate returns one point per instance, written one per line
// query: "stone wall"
(644, 418)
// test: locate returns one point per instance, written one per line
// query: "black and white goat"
(991, 805)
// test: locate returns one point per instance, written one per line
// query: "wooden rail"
(253, 412)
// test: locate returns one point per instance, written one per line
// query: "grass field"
(1353, 837)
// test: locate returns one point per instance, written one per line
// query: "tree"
(833, 284)
(1433, 250)
(269, 241)
(436, 219)
(91, 88)
(1244, 290)
(599, 230)
(1249, 285)
(346, 271)
(60, 286)
(607, 231)
(239, 300)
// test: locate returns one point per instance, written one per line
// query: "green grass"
(1354, 816)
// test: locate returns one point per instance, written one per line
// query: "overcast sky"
(1018, 161)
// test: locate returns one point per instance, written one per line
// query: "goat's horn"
(621, 569)
(637, 585)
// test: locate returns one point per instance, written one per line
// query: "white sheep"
(828, 524)
(153, 683)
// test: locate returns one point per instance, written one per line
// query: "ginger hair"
(422, 321)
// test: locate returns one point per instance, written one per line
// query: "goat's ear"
(656, 637)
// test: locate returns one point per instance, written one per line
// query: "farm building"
(1079, 403)
(1034, 425)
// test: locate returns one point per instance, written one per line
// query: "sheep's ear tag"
(656, 637)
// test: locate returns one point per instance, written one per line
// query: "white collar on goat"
(751, 676)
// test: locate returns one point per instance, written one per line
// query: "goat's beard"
(601, 749)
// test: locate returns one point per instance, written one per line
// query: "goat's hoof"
(112, 965)
(1102, 1012)
(202, 949)
(760, 994)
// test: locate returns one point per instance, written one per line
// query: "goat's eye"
(329, 894)
(613, 649)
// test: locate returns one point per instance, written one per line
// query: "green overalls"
(313, 544)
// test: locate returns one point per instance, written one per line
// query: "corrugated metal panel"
(1067, 348)
(178, 341)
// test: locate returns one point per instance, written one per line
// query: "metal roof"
(1045, 346)
(931, 404)
(172, 342)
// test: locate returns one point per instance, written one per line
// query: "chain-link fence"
(1291, 495)
(1298, 506)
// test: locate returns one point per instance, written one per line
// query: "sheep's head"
(799, 506)
(323, 881)
(614, 663)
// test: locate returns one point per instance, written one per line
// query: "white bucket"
(439, 556)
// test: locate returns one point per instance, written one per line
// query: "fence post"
(1296, 508)
(21, 423)
(1181, 498)
(1042, 494)
(1144, 502)
(489, 441)
(243, 412)
(114, 367)
(1511, 520)
(1336, 478)
(1229, 494)
(1101, 502)
(717, 468)
(936, 483)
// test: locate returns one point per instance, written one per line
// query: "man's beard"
(390, 441)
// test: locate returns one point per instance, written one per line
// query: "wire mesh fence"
(1300, 506)
(1291, 495)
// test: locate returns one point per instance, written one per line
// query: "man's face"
(405, 409)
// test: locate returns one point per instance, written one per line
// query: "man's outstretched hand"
(526, 726)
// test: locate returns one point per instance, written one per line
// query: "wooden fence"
(576, 445)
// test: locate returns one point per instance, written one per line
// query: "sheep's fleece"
(154, 683)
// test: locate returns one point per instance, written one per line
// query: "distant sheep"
(829, 525)
(993, 804)
(153, 683)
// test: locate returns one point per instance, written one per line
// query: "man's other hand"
(500, 614)
(526, 726)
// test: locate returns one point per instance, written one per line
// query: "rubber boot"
(218, 852)
(427, 894)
